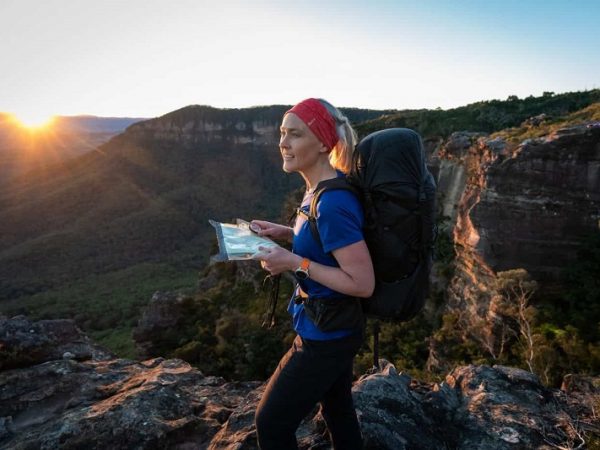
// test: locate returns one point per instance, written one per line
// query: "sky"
(145, 58)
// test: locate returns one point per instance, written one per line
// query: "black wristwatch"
(302, 271)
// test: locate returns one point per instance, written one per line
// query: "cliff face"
(515, 206)
(202, 124)
(85, 397)
(526, 206)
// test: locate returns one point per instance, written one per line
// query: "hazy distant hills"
(31, 152)
(9, 128)
(94, 124)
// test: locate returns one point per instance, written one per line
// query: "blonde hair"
(340, 156)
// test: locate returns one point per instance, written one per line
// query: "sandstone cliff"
(514, 204)
(523, 206)
(86, 398)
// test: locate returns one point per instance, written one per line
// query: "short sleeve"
(339, 219)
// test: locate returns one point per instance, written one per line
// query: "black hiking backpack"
(397, 191)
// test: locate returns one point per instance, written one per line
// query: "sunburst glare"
(33, 121)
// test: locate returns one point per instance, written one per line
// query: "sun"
(33, 121)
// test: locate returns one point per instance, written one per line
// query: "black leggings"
(311, 372)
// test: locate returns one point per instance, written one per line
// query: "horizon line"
(137, 116)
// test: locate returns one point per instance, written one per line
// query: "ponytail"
(340, 156)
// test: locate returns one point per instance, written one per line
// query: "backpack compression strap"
(339, 183)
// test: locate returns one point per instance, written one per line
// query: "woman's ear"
(323, 148)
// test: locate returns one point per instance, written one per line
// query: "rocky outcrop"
(164, 311)
(514, 206)
(451, 161)
(157, 403)
(476, 407)
(526, 205)
(167, 313)
(25, 343)
(538, 201)
(114, 404)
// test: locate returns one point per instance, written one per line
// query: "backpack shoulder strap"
(339, 183)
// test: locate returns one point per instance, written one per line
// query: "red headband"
(312, 112)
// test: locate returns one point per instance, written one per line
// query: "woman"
(317, 141)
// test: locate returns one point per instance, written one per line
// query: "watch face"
(301, 274)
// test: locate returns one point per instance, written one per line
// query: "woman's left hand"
(276, 260)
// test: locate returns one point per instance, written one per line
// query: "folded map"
(237, 241)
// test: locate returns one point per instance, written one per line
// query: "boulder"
(24, 343)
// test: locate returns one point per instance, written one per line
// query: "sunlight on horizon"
(33, 121)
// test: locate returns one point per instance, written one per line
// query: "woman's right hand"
(272, 230)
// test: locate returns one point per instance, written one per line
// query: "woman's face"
(300, 148)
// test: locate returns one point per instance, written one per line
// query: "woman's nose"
(283, 142)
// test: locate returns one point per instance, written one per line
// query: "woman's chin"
(288, 168)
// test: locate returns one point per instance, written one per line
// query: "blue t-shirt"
(339, 221)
